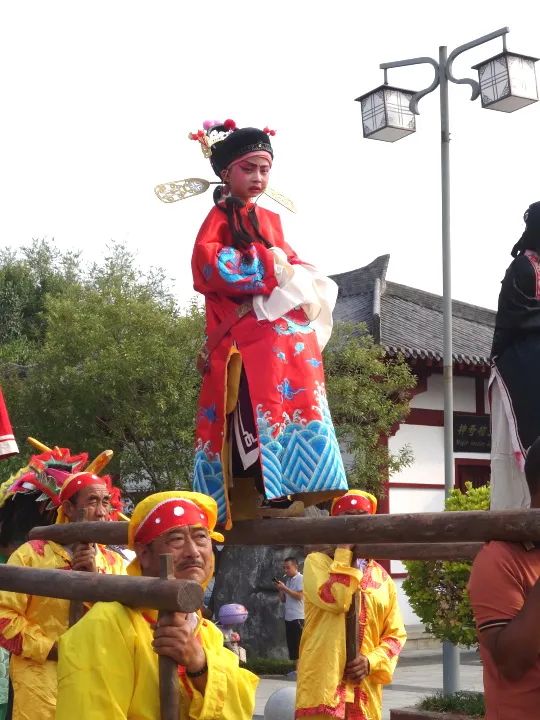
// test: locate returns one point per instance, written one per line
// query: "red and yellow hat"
(354, 500)
(158, 513)
(72, 485)
(81, 480)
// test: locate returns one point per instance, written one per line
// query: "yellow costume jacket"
(108, 669)
(30, 625)
(329, 586)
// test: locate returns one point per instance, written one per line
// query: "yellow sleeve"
(383, 659)
(17, 633)
(330, 585)
(230, 690)
(110, 561)
(96, 666)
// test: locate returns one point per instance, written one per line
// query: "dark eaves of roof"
(409, 321)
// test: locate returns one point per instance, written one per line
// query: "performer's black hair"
(242, 237)
(530, 240)
(532, 467)
(19, 515)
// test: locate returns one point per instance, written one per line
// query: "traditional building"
(410, 321)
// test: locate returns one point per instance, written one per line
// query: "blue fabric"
(299, 458)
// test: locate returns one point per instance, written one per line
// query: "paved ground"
(419, 673)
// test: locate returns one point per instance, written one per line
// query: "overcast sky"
(97, 99)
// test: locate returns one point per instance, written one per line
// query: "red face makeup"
(248, 177)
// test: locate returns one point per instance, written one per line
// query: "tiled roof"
(404, 319)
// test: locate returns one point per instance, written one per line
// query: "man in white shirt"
(291, 592)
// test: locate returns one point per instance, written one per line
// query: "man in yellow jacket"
(108, 662)
(327, 686)
(30, 625)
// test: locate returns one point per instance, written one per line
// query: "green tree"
(437, 590)
(369, 396)
(116, 368)
(27, 278)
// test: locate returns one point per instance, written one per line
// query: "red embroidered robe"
(299, 452)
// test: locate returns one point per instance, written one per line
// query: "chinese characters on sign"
(471, 433)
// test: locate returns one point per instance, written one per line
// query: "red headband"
(256, 153)
(77, 482)
(166, 515)
(348, 503)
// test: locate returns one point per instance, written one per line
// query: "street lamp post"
(506, 83)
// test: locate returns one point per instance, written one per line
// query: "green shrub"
(269, 666)
(437, 590)
(467, 703)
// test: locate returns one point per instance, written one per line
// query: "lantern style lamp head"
(386, 114)
(507, 81)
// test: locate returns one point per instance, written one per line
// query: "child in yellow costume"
(328, 687)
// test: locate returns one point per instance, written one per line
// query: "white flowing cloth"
(509, 489)
(299, 286)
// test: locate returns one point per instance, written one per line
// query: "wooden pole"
(167, 595)
(105, 533)
(169, 684)
(448, 527)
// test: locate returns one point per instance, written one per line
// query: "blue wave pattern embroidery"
(208, 477)
(299, 456)
(245, 270)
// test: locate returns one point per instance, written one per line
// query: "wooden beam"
(418, 551)
(441, 527)
(106, 533)
(167, 595)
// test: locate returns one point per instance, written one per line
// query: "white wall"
(427, 445)
(433, 399)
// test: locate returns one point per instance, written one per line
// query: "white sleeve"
(304, 287)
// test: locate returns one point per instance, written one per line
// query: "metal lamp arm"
(467, 46)
(413, 104)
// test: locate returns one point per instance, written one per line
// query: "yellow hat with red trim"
(158, 513)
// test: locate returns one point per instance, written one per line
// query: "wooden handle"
(351, 629)
(76, 607)
(169, 684)
(352, 646)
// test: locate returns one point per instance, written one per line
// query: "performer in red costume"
(8, 446)
(263, 427)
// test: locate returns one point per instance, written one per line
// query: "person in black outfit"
(515, 378)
